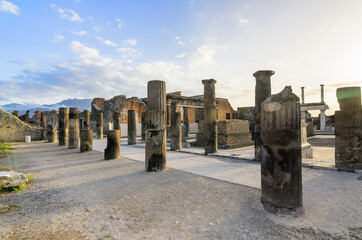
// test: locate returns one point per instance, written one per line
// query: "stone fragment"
(73, 128)
(63, 126)
(176, 130)
(99, 125)
(210, 117)
(86, 140)
(52, 133)
(12, 179)
(131, 130)
(156, 127)
(281, 166)
(113, 145)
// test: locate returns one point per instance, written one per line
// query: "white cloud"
(182, 55)
(202, 56)
(130, 42)
(68, 14)
(106, 42)
(120, 24)
(58, 38)
(179, 42)
(242, 21)
(80, 33)
(129, 52)
(9, 7)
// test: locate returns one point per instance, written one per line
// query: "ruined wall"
(134, 103)
(96, 107)
(52, 118)
(247, 113)
(224, 109)
(12, 129)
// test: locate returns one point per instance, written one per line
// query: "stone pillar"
(86, 121)
(210, 117)
(302, 95)
(73, 128)
(52, 133)
(113, 145)
(143, 126)
(86, 140)
(348, 126)
(262, 92)
(117, 120)
(281, 165)
(322, 93)
(186, 121)
(63, 126)
(131, 129)
(176, 130)
(99, 125)
(156, 126)
(322, 120)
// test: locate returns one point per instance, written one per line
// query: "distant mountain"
(81, 104)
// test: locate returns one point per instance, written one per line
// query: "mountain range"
(81, 104)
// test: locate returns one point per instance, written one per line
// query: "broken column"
(86, 140)
(117, 120)
(307, 151)
(348, 128)
(176, 130)
(113, 145)
(73, 128)
(63, 126)
(156, 126)
(52, 133)
(186, 122)
(131, 130)
(210, 117)
(262, 92)
(99, 125)
(143, 126)
(86, 121)
(281, 167)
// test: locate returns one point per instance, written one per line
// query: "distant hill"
(82, 104)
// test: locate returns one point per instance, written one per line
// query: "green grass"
(21, 187)
(108, 235)
(5, 149)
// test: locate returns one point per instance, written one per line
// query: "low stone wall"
(12, 129)
(231, 134)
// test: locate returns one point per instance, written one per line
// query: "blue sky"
(54, 50)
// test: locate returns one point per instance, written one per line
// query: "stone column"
(86, 121)
(262, 92)
(281, 165)
(348, 128)
(302, 95)
(52, 133)
(144, 126)
(99, 125)
(131, 129)
(176, 130)
(113, 145)
(73, 128)
(156, 126)
(322, 93)
(322, 120)
(117, 120)
(63, 126)
(210, 117)
(86, 140)
(186, 121)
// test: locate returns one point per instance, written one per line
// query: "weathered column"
(322, 120)
(262, 92)
(86, 121)
(322, 93)
(99, 125)
(348, 128)
(73, 128)
(176, 130)
(281, 166)
(131, 130)
(210, 117)
(156, 126)
(117, 120)
(52, 133)
(143, 126)
(63, 126)
(186, 121)
(113, 145)
(302, 95)
(86, 140)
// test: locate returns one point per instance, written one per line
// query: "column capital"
(205, 81)
(263, 73)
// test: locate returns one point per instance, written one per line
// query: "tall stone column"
(262, 92)
(156, 126)
(186, 121)
(176, 130)
(143, 126)
(131, 130)
(73, 128)
(210, 117)
(86, 121)
(86, 140)
(348, 128)
(99, 125)
(117, 120)
(113, 145)
(281, 165)
(63, 126)
(302, 95)
(322, 93)
(52, 133)
(322, 120)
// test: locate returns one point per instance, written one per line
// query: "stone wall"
(52, 118)
(231, 134)
(247, 113)
(12, 129)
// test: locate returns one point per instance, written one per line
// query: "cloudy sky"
(55, 50)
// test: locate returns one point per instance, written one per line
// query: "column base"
(284, 211)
